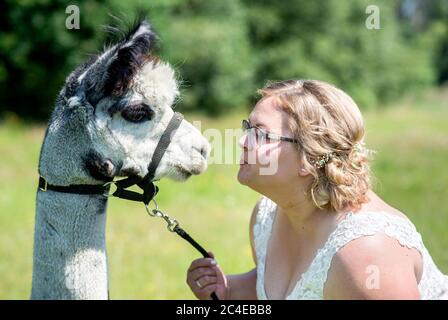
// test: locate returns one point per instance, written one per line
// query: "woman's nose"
(244, 141)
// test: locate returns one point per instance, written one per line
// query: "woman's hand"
(204, 277)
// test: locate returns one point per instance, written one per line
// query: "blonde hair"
(326, 121)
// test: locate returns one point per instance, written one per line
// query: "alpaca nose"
(204, 150)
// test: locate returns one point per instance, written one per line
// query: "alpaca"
(108, 119)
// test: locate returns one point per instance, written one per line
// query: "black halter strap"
(74, 188)
(145, 183)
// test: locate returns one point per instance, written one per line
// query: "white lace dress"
(433, 284)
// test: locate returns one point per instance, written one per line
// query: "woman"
(319, 231)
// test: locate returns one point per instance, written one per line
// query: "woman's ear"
(302, 171)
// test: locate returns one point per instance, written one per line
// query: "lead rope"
(173, 226)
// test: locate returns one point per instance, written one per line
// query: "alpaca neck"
(69, 247)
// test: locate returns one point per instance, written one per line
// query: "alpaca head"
(121, 102)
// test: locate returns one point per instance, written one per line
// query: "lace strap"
(262, 231)
(353, 227)
(263, 223)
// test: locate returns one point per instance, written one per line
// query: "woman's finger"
(205, 281)
(198, 273)
(201, 271)
(220, 277)
(208, 290)
(202, 262)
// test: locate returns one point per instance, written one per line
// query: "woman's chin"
(243, 175)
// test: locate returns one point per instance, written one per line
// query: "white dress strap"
(262, 232)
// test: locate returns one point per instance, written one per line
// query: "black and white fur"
(107, 121)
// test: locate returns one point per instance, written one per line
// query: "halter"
(146, 184)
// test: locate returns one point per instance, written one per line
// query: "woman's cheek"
(268, 159)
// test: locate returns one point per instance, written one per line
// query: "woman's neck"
(302, 217)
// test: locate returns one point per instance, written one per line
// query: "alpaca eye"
(137, 113)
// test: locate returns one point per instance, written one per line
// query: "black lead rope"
(181, 232)
(173, 226)
(146, 184)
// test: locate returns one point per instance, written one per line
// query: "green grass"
(147, 262)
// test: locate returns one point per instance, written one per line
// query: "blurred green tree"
(208, 41)
(37, 52)
(205, 40)
(328, 40)
(224, 50)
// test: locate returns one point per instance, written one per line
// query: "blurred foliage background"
(225, 50)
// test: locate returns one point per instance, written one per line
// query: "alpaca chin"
(179, 173)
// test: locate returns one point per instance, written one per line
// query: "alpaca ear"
(132, 53)
(99, 167)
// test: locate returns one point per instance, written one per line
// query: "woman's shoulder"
(375, 249)
(376, 216)
(373, 267)
(376, 245)
(376, 204)
(365, 227)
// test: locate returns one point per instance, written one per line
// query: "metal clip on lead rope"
(173, 226)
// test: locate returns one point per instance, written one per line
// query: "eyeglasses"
(262, 136)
